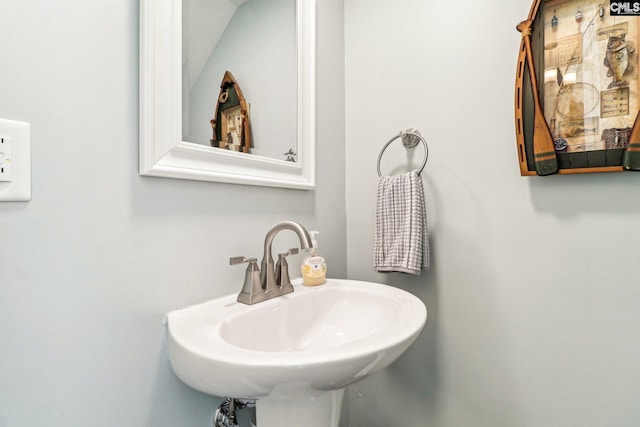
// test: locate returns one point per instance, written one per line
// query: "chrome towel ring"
(410, 139)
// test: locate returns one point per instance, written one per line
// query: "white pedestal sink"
(294, 354)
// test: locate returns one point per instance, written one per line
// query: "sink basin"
(295, 353)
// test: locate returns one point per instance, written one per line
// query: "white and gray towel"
(402, 238)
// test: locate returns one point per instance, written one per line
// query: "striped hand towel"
(402, 238)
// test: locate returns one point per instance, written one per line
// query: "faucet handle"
(282, 271)
(292, 251)
(240, 259)
(251, 292)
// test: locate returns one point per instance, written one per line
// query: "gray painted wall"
(533, 296)
(89, 267)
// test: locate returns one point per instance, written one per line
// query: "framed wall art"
(576, 92)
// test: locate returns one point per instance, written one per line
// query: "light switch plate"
(16, 156)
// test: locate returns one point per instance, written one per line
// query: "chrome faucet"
(267, 270)
(274, 280)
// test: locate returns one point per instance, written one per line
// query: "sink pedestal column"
(320, 410)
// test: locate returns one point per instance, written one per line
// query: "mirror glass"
(263, 52)
(254, 40)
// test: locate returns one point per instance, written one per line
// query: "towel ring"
(410, 139)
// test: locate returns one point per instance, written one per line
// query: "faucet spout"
(267, 272)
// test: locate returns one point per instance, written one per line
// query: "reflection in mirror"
(231, 128)
(255, 41)
(163, 150)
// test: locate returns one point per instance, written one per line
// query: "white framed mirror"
(164, 153)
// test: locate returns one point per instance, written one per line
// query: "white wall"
(89, 267)
(533, 295)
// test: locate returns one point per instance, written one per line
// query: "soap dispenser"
(314, 267)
